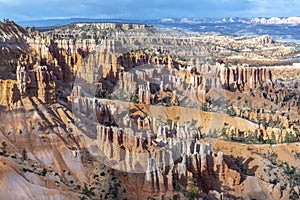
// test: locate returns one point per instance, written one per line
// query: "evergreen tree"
(4, 145)
(24, 154)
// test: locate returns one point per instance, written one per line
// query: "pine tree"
(4, 145)
(24, 154)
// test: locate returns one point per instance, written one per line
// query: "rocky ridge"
(156, 75)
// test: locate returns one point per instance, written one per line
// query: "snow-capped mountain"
(257, 20)
(275, 20)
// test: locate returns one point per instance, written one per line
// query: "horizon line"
(120, 18)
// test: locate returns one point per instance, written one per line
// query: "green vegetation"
(294, 196)
(88, 191)
(104, 94)
(134, 98)
(239, 161)
(114, 190)
(204, 107)
(293, 175)
(43, 172)
(102, 174)
(24, 154)
(191, 193)
(231, 112)
(289, 138)
(272, 158)
(4, 145)
(213, 133)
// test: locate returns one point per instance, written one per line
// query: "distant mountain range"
(279, 28)
(261, 20)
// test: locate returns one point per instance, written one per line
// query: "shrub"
(102, 174)
(294, 195)
(24, 154)
(44, 172)
(290, 138)
(4, 145)
(88, 191)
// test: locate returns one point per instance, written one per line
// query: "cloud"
(274, 7)
(141, 9)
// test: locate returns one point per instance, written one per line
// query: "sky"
(23, 10)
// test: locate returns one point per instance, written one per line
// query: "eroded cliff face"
(44, 158)
(171, 159)
(166, 161)
(134, 77)
(12, 45)
(141, 104)
(143, 78)
(10, 94)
